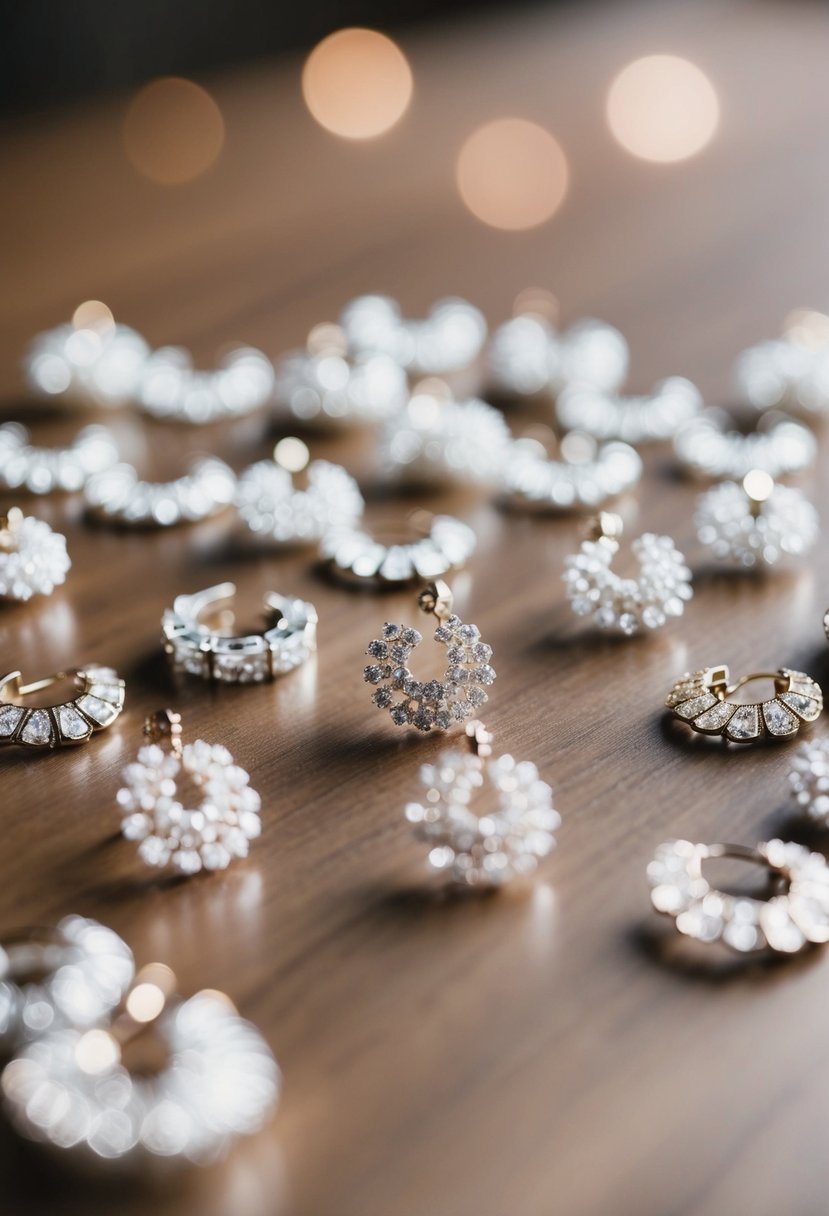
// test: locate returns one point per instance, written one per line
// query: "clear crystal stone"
(744, 723)
(38, 728)
(99, 711)
(716, 717)
(10, 715)
(690, 709)
(778, 719)
(72, 725)
(806, 707)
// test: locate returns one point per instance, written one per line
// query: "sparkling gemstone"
(38, 728)
(378, 649)
(99, 711)
(690, 709)
(372, 674)
(10, 715)
(716, 717)
(113, 693)
(745, 723)
(778, 720)
(382, 697)
(72, 725)
(806, 707)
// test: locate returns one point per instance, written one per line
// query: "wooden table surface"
(547, 1050)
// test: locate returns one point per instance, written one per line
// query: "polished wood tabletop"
(547, 1049)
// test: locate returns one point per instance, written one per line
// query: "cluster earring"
(72, 975)
(33, 558)
(448, 340)
(118, 496)
(809, 780)
(755, 523)
(98, 701)
(785, 923)
(586, 474)
(289, 639)
(73, 1090)
(272, 506)
(173, 390)
(528, 356)
(700, 699)
(359, 560)
(706, 448)
(328, 385)
(628, 605)
(436, 440)
(208, 836)
(92, 361)
(490, 849)
(434, 703)
(787, 372)
(654, 417)
(53, 470)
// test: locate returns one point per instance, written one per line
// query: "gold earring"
(701, 700)
(97, 702)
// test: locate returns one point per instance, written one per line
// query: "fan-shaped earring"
(628, 605)
(97, 702)
(434, 703)
(208, 836)
(756, 523)
(701, 700)
(490, 849)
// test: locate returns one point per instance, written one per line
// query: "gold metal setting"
(701, 699)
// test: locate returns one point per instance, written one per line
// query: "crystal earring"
(118, 496)
(53, 470)
(72, 975)
(360, 560)
(93, 360)
(489, 849)
(33, 558)
(710, 448)
(785, 923)
(73, 1090)
(97, 702)
(448, 340)
(436, 440)
(809, 780)
(433, 703)
(586, 474)
(628, 605)
(171, 389)
(700, 699)
(756, 523)
(527, 356)
(208, 836)
(791, 372)
(653, 417)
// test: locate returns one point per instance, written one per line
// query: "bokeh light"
(291, 454)
(357, 83)
(807, 328)
(512, 174)
(662, 108)
(537, 302)
(173, 131)
(94, 315)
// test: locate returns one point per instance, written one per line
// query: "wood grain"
(548, 1050)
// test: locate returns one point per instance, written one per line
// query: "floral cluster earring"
(431, 704)
(33, 558)
(756, 523)
(208, 836)
(701, 700)
(502, 843)
(628, 605)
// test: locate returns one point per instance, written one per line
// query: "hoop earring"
(53, 470)
(447, 340)
(173, 390)
(700, 700)
(359, 560)
(651, 418)
(628, 605)
(436, 703)
(710, 448)
(435, 440)
(191, 647)
(586, 474)
(97, 703)
(33, 558)
(528, 356)
(118, 496)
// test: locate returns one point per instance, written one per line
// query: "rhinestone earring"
(448, 340)
(628, 605)
(207, 837)
(586, 474)
(785, 923)
(33, 558)
(435, 703)
(756, 523)
(98, 701)
(218, 1080)
(53, 470)
(484, 850)
(118, 496)
(700, 699)
(527, 356)
(359, 560)
(711, 449)
(654, 417)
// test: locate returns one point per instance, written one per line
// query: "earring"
(586, 475)
(271, 506)
(448, 340)
(627, 604)
(651, 418)
(784, 923)
(527, 356)
(174, 391)
(73, 975)
(792, 371)
(436, 703)
(358, 559)
(93, 360)
(706, 448)
(219, 1080)
(435, 440)
(491, 849)
(208, 837)
(289, 639)
(700, 700)
(33, 558)
(809, 780)
(53, 470)
(757, 522)
(118, 496)
(329, 385)
(97, 703)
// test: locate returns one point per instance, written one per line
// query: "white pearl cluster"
(786, 524)
(809, 780)
(449, 339)
(656, 416)
(210, 836)
(272, 507)
(628, 604)
(37, 564)
(528, 356)
(492, 848)
(220, 1081)
(48, 470)
(707, 448)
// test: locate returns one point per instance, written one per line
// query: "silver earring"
(791, 372)
(33, 558)
(434, 440)
(94, 362)
(53, 470)
(527, 356)
(172, 389)
(448, 340)
(489, 850)
(119, 496)
(653, 417)
(586, 474)
(755, 523)
(708, 449)
(359, 559)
